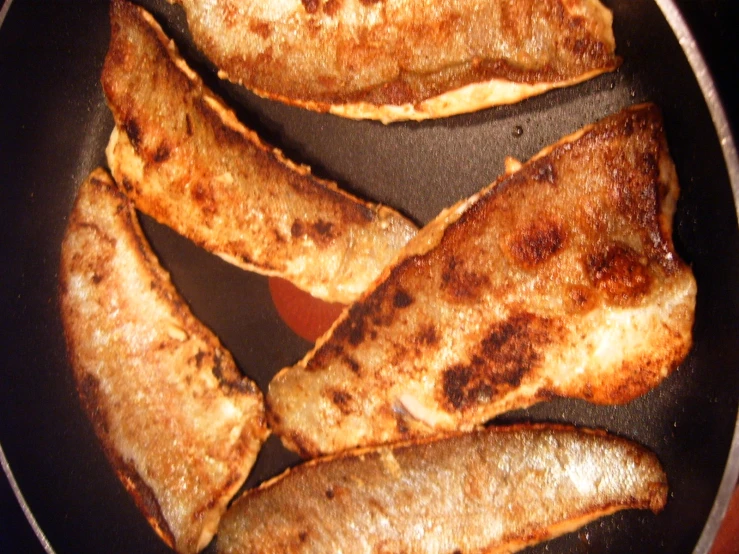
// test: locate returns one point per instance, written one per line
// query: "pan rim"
(4, 10)
(710, 94)
(25, 508)
(40, 535)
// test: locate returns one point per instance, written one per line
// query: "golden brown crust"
(180, 425)
(185, 159)
(404, 59)
(560, 279)
(467, 492)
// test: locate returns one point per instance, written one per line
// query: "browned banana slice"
(185, 159)
(494, 490)
(178, 422)
(403, 59)
(560, 280)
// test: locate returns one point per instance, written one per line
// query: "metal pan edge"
(718, 114)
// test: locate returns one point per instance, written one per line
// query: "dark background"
(714, 24)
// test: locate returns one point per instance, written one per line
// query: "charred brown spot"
(126, 182)
(336, 491)
(320, 232)
(297, 229)
(619, 273)
(353, 327)
(579, 46)
(203, 196)
(580, 43)
(536, 244)
(200, 193)
(352, 364)
(323, 356)
(461, 283)
(133, 131)
(581, 298)
(427, 336)
(249, 261)
(162, 153)
(378, 309)
(461, 388)
(511, 350)
(311, 6)
(329, 352)
(198, 358)
(217, 367)
(323, 229)
(402, 299)
(243, 386)
(102, 183)
(511, 344)
(188, 125)
(342, 400)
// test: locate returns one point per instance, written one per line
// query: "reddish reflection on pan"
(727, 539)
(307, 316)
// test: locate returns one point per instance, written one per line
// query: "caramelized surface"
(403, 59)
(180, 425)
(185, 159)
(493, 490)
(560, 279)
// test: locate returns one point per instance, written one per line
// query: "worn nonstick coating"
(54, 126)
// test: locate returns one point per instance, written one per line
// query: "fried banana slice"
(496, 490)
(184, 159)
(178, 422)
(560, 279)
(403, 59)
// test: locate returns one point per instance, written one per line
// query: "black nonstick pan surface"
(54, 125)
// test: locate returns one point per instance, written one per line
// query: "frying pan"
(53, 128)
